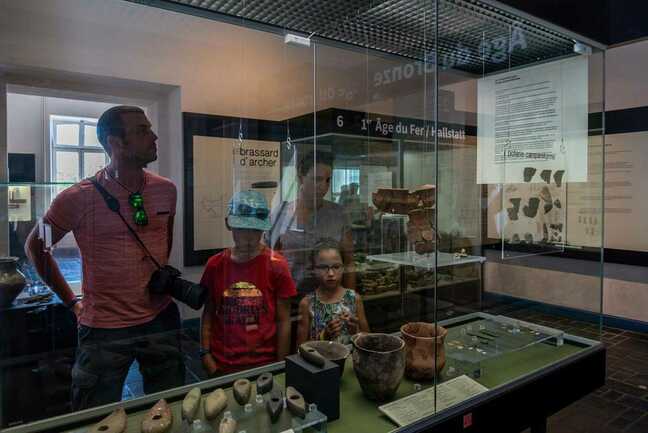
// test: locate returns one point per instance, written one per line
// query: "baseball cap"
(248, 210)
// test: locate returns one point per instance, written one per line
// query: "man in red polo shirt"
(120, 320)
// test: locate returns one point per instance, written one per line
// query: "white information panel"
(221, 167)
(533, 120)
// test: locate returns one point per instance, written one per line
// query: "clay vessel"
(113, 423)
(159, 419)
(425, 196)
(425, 349)
(12, 281)
(331, 350)
(379, 364)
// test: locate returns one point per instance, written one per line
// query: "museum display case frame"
(517, 387)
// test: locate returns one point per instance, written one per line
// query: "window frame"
(80, 149)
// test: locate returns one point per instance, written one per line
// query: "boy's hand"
(333, 329)
(210, 365)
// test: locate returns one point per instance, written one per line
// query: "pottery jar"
(12, 281)
(425, 349)
(379, 364)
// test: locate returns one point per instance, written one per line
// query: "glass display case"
(429, 180)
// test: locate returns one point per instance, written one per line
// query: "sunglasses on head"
(244, 210)
(136, 200)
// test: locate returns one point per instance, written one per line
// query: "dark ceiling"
(468, 35)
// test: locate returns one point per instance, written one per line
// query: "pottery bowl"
(379, 364)
(331, 350)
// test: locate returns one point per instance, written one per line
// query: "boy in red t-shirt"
(246, 320)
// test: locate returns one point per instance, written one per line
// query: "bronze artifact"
(12, 281)
(425, 349)
(264, 383)
(190, 404)
(311, 355)
(295, 402)
(159, 419)
(113, 423)
(215, 403)
(331, 350)
(274, 405)
(379, 364)
(242, 390)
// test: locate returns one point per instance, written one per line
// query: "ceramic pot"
(12, 281)
(425, 349)
(331, 350)
(379, 364)
(425, 195)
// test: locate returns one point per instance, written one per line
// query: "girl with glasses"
(331, 312)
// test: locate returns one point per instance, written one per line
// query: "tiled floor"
(621, 406)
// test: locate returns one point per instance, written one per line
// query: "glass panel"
(67, 166)
(67, 134)
(90, 138)
(93, 162)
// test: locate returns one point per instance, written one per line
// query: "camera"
(166, 280)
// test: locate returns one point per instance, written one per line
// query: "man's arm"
(46, 266)
(283, 328)
(304, 322)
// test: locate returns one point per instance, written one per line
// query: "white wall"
(28, 128)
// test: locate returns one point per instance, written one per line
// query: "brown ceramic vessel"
(379, 364)
(425, 349)
(12, 281)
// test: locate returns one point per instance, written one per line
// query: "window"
(342, 180)
(76, 151)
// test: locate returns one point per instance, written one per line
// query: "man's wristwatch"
(69, 305)
(202, 352)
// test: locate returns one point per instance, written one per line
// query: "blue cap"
(248, 210)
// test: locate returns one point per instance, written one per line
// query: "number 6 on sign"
(340, 121)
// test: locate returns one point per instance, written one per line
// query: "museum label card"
(421, 404)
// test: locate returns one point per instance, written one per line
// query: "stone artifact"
(379, 364)
(12, 281)
(546, 175)
(190, 404)
(242, 390)
(558, 176)
(264, 383)
(274, 405)
(159, 419)
(311, 355)
(424, 348)
(227, 425)
(295, 402)
(113, 423)
(215, 403)
(331, 350)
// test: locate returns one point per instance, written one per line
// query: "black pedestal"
(318, 385)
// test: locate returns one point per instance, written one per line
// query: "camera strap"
(113, 205)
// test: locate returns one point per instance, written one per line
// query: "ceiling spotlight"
(292, 38)
(580, 48)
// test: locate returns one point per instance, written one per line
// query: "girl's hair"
(324, 244)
